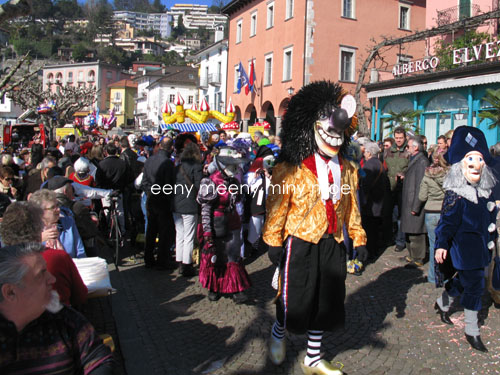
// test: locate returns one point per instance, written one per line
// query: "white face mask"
(328, 142)
(472, 166)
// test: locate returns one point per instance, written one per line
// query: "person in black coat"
(373, 195)
(115, 174)
(157, 182)
(188, 175)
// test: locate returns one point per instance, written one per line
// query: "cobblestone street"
(166, 325)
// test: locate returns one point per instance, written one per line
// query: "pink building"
(294, 42)
(90, 74)
(444, 12)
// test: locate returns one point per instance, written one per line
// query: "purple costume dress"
(221, 267)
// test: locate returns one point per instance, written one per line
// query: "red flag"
(252, 78)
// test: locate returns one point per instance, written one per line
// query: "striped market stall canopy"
(190, 127)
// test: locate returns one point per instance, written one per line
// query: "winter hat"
(466, 139)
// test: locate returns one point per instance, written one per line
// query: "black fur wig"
(304, 109)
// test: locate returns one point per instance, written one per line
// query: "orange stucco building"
(296, 42)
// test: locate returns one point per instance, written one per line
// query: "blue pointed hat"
(466, 139)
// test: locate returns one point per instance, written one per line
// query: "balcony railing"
(214, 79)
(453, 14)
(203, 82)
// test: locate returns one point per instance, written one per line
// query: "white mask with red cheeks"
(472, 166)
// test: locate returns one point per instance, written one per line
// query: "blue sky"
(167, 3)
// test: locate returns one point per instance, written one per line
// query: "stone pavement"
(166, 325)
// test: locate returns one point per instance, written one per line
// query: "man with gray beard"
(32, 321)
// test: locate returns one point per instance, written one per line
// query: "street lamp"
(290, 90)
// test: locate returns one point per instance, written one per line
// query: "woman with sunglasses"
(7, 180)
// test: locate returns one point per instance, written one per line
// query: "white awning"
(439, 85)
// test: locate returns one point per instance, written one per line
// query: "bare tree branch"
(466, 23)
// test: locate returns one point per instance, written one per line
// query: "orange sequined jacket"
(294, 191)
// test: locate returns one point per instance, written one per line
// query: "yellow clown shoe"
(323, 368)
(277, 350)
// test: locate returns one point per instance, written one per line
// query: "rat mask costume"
(312, 197)
(466, 230)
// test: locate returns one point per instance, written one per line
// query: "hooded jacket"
(431, 189)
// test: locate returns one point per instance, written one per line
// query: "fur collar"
(456, 182)
(435, 171)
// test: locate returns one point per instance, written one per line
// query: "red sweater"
(69, 283)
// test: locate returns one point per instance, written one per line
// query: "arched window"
(447, 101)
(91, 76)
(397, 105)
(50, 77)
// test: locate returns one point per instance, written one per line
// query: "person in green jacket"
(396, 160)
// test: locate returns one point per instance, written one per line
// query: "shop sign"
(415, 66)
(485, 51)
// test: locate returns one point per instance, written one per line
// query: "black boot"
(213, 296)
(188, 270)
(476, 343)
(240, 297)
(445, 318)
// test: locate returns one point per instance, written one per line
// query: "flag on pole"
(253, 78)
(242, 80)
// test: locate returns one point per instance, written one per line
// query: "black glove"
(115, 193)
(275, 253)
(362, 253)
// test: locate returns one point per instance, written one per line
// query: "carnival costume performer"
(221, 267)
(306, 216)
(466, 230)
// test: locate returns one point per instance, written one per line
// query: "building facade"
(159, 22)
(195, 16)
(122, 96)
(444, 97)
(293, 43)
(213, 74)
(157, 88)
(90, 74)
(9, 111)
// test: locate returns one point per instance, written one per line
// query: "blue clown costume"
(466, 230)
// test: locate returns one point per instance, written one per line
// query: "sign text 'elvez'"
(485, 51)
